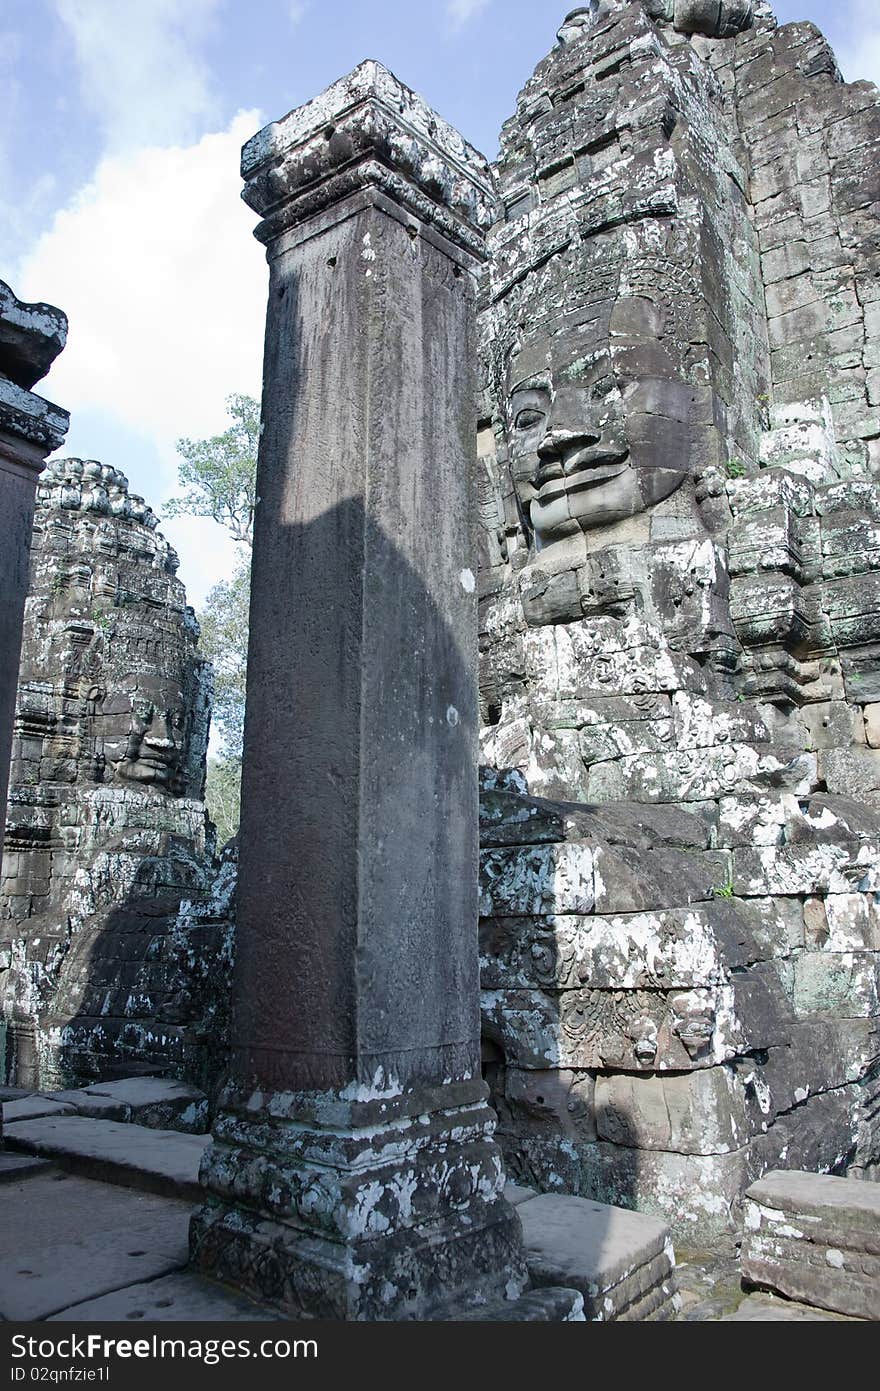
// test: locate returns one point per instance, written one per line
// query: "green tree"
(219, 475)
(223, 795)
(224, 624)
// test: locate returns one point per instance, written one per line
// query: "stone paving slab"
(516, 1193)
(180, 1297)
(65, 1239)
(28, 1108)
(158, 1161)
(535, 1306)
(161, 1103)
(187, 1296)
(619, 1260)
(18, 1166)
(13, 1093)
(815, 1238)
(764, 1308)
(98, 1107)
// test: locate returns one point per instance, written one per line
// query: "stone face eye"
(528, 418)
(602, 388)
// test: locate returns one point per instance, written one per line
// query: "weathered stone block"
(815, 1238)
(701, 1112)
(556, 1102)
(852, 772)
(621, 1262)
(842, 983)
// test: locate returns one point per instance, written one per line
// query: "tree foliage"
(223, 795)
(219, 474)
(224, 624)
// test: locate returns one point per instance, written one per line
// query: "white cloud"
(13, 216)
(165, 288)
(459, 12)
(860, 56)
(296, 11)
(207, 553)
(138, 69)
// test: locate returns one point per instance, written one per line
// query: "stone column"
(353, 1172)
(31, 336)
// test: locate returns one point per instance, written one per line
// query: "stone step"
(14, 1167)
(182, 1296)
(766, 1308)
(66, 1239)
(549, 1305)
(13, 1093)
(815, 1238)
(33, 1107)
(622, 1262)
(136, 1156)
(160, 1102)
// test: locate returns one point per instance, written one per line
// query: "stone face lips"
(815, 1238)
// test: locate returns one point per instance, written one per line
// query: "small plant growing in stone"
(735, 468)
(102, 621)
(724, 890)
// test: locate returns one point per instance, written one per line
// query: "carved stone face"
(714, 18)
(598, 421)
(144, 727)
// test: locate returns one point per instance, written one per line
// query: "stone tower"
(679, 637)
(106, 824)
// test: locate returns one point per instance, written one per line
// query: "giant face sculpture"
(716, 18)
(112, 684)
(597, 420)
(144, 723)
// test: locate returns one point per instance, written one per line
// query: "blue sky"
(120, 127)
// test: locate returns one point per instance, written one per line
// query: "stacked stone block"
(815, 1238)
(679, 656)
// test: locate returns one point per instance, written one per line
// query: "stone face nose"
(559, 442)
(161, 737)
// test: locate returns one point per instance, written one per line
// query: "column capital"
(34, 423)
(31, 337)
(368, 131)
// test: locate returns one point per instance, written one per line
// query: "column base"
(389, 1208)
